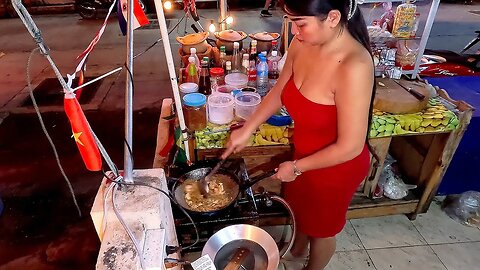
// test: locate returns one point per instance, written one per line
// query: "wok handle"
(257, 179)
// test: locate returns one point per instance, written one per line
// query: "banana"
(275, 137)
(438, 116)
(284, 141)
(436, 122)
(381, 121)
(420, 129)
(399, 130)
(426, 122)
(381, 129)
(373, 133)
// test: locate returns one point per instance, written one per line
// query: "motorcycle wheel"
(87, 9)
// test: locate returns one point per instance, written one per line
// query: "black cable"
(170, 197)
(160, 39)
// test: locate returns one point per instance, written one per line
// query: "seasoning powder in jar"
(195, 111)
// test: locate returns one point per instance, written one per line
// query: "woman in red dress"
(327, 86)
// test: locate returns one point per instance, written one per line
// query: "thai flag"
(139, 18)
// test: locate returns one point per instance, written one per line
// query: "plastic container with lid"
(187, 88)
(217, 78)
(238, 80)
(246, 103)
(195, 111)
(225, 89)
(220, 108)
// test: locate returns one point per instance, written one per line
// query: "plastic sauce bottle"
(193, 53)
(273, 72)
(204, 84)
(192, 74)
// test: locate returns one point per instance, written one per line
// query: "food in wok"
(222, 191)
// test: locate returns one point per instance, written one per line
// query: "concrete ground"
(40, 228)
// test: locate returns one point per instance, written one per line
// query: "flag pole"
(171, 70)
(128, 145)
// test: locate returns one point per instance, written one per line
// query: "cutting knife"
(413, 92)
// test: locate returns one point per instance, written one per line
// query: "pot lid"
(193, 39)
(230, 35)
(265, 36)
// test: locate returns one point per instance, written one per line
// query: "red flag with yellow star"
(81, 133)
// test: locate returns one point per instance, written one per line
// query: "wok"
(232, 186)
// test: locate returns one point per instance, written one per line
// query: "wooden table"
(422, 158)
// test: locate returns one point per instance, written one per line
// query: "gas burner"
(254, 209)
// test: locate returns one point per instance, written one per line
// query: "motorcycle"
(89, 9)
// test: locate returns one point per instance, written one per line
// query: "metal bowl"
(223, 244)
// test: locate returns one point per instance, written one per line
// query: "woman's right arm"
(271, 103)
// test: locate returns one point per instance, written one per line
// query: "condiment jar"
(217, 78)
(187, 88)
(220, 108)
(195, 111)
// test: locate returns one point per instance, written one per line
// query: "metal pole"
(171, 71)
(425, 36)
(128, 146)
(223, 13)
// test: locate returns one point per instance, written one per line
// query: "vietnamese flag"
(81, 133)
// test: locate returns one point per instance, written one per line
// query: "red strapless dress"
(320, 198)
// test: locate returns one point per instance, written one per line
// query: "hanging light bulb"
(167, 5)
(229, 20)
(212, 27)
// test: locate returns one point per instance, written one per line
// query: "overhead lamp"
(212, 27)
(167, 5)
(229, 20)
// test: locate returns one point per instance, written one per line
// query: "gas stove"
(254, 208)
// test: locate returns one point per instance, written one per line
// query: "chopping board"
(392, 98)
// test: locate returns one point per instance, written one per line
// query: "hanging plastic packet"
(387, 18)
(404, 20)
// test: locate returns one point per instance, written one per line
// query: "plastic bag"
(464, 208)
(391, 183)
(387, 18)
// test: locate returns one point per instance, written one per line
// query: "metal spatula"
(203, 183)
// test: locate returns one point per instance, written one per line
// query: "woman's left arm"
(352, 100)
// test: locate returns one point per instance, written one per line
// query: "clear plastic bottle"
(262, 76)
(236, 58)
(274, 48)
(192, 73)
(273, 72)
(245, 64)
(228, 67)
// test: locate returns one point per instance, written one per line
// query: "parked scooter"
(89, 9)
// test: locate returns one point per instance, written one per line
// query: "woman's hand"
(238, 140)
(285, 172)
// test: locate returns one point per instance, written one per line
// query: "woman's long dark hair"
(355, 25)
